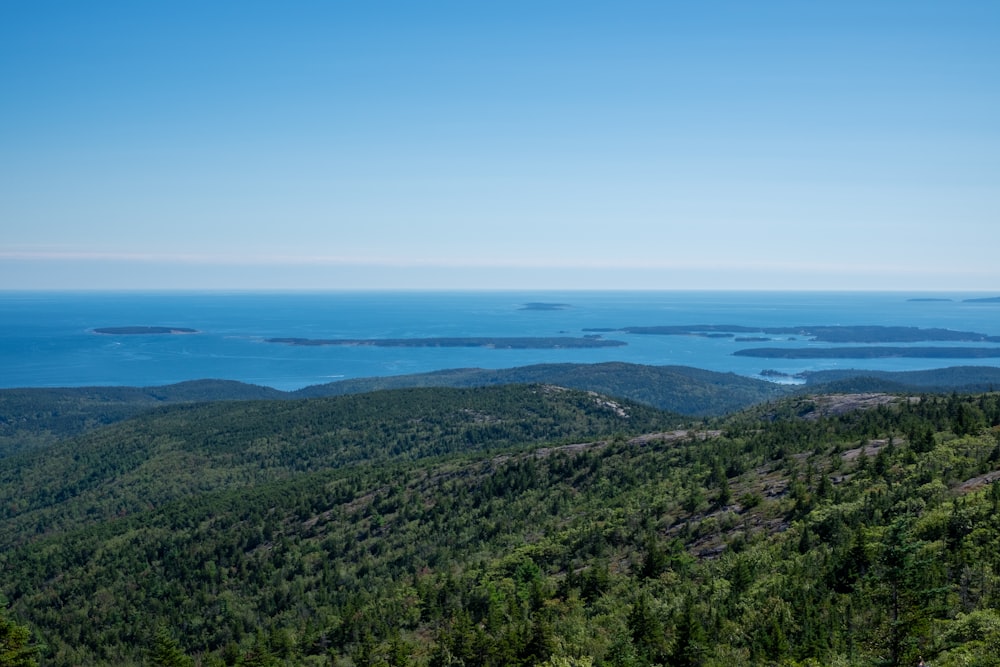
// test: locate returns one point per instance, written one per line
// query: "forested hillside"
(689, 391)
(963, 379)
(33, 418)
(184, 449)
(522, 525)
(37, 417)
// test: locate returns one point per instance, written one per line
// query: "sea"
(48, 339)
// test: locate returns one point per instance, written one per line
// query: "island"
(988, 299)
(544, 305)
(513, 343)
(825, 333)
(871, 352)
(928, 299)
(143, 331)
(771, 373)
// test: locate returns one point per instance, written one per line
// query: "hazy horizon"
(945, 294)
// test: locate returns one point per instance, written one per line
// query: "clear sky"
(849, 144)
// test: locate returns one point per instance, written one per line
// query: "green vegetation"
(514, 525)
(961, 379)
(37, 417)
(31, 418)
(180, 450)
(870, 352)
(825, 333)
(16, 649)
(681, 389)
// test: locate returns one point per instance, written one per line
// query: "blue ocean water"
(47, 339)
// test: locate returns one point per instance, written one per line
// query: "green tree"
(691, 638)
(259, 654)
(16, 649)
(719, 480)
(165, 651)
(647, 632)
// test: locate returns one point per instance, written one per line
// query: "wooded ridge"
(36, 417)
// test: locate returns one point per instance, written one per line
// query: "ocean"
(47, 339)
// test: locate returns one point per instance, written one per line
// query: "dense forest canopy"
(510, 525)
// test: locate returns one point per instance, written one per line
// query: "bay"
(47, 339)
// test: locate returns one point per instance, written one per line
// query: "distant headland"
(142, 331)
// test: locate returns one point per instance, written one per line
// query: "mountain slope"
(178, 450)
(962, 379)
(843, 538)
(36, 417)
(680, 389)
(33, 418)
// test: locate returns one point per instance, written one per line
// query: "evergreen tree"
(691, 639)
(15, 644)
(647, 631)
(165, 651)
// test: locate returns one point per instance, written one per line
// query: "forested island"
(822, 333)
(544, 305)
(142, 330)
(500, 343)
(870, 352)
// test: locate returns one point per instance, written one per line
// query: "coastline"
(51, 340)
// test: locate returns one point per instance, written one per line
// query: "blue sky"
(657, 145)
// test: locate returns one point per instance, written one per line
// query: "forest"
(525, 524)
(37, 417)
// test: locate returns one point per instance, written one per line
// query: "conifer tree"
(16, 649)
(165, 651)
